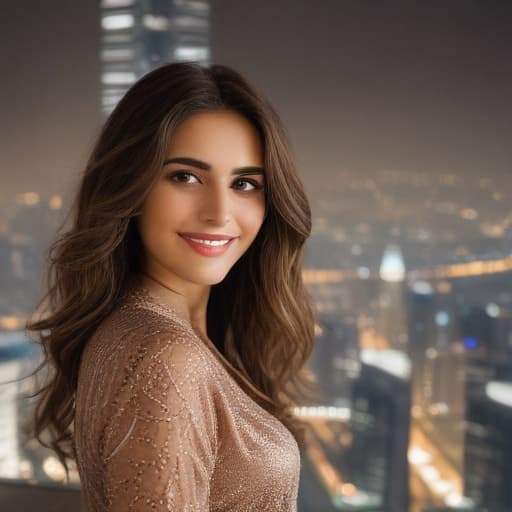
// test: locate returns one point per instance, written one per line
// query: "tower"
(140, 35)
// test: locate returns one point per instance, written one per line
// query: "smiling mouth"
(207, 247)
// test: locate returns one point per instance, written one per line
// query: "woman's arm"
(164, 455)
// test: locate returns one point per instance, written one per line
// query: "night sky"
(360, 85)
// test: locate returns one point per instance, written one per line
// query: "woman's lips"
(206, 236)
(208, 250)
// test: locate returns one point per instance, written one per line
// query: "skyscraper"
(140, 35)
(378, 455)
(392, 318)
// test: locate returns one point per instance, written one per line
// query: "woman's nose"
(215, 206)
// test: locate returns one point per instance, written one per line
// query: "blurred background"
(400, 119)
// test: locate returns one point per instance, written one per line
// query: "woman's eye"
(240, 185)
(183, 177)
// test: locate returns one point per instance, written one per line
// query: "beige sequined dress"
(160, 424)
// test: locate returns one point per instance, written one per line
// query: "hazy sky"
(372, 84)
(360, 85)
(50, 97)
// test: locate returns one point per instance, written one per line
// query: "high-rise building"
(14, 352)
(488, 448)
(335, 359)
(380, 428)
(392, 317)
(140, 35)
(438, 371)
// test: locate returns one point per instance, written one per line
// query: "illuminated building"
(392, 316)
(380, 428)
(438, 393)
(335, 359)
(487, 334)
(13, 354)
(488, 448)
(138, 36)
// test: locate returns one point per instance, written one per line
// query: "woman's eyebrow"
(207, 167)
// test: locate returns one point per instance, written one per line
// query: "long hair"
(264, 328)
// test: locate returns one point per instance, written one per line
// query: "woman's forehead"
(217, 138)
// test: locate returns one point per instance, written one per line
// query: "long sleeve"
(160, 450)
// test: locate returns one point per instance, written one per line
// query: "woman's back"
(161, 425)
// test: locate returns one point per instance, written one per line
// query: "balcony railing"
(18, 495)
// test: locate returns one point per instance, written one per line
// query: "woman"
(180, 325)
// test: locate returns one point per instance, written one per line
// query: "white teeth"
(209, 242)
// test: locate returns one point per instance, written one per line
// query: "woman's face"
(212, 185)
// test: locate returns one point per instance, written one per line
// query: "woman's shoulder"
(140, 332)
(145, 363)
(139, 344)
(137, 317)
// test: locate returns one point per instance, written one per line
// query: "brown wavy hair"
(265, 328)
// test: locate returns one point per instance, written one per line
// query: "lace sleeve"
(164, 455)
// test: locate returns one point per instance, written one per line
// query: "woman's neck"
(192, 309)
